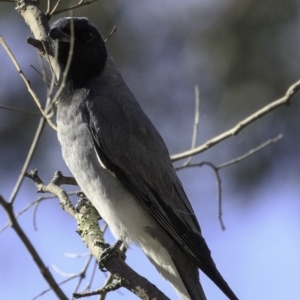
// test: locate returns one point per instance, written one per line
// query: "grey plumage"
(122, 164)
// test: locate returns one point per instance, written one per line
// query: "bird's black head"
(89, 53)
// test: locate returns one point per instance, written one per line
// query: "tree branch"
(8, 207)
(87, 217)
(31, 151)
(79, 4)
(38, 23)
(285, 100)
(27, 83)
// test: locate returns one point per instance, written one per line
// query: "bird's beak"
(57, 33)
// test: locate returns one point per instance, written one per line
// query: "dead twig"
(285, 100)
(196, 122)
(217, 168)
(111, 34)
(31, 151)
(27, 83)
(8, 207)
(79, 4)
(23, 111)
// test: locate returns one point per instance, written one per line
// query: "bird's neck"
(73, 92)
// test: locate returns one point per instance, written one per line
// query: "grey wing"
(130, 147)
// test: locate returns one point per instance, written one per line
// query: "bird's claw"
(109, 252)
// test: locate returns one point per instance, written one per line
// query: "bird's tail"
(217, 278)
(201, 255)
(189, 275)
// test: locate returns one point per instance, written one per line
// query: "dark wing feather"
(131, 148)
(173, 220)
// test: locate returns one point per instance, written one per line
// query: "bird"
(122, 164)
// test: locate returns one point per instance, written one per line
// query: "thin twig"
(68, 64)
(28, 206)
(43, 72)
(54, 188)
(251, 152)
(37, 205)
(50, 289)
(216, 170)
(63, 274)
(285, 100)
(48, 7)
(196, 122)
(219, 192)
(111, 34)
(55, 7)
(197, 116)
(79, 4)
(76, 255)
(8, 207)
(34, 215)
(24, 111)
(219, 185)
(82, 273)
(31, 151)
(53, 80)
(27, 82)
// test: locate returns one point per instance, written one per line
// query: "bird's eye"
(88, 35)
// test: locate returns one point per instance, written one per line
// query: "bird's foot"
(109, 252)
(116, 283)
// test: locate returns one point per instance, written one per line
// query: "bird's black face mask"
(88, 52)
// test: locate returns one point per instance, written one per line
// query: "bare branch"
(197, 116)
(68, 64)
(219, 185)
(48, 7)
(55, 7)
(42, 74)
(79, 4)
(32, 149)
(54, 189)
(88, 228)
(285, 100)
(196, 122)
(114, 285)
(251, 152)
(49, 289)
(8, 207)
(27, 83)
(111, 34)
(83, 272)
(216, 170)
(24, 111)
(38, 23)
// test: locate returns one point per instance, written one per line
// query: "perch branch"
(88, 228)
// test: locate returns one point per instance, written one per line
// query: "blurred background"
(243, 55)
